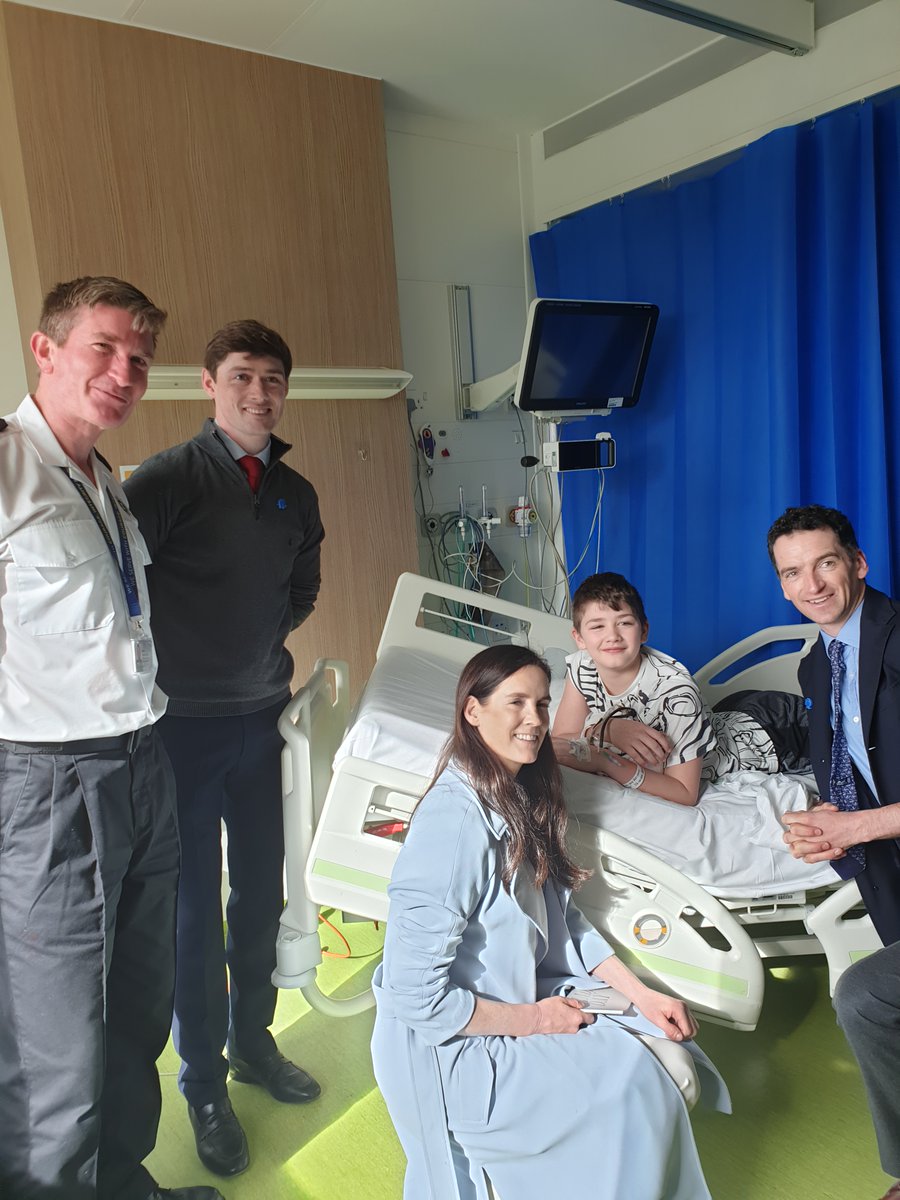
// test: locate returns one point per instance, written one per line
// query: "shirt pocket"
(62, 578)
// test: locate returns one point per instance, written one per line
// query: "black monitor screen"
(584, 354)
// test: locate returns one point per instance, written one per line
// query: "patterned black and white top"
(664, 695)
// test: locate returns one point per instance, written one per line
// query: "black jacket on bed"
(879, 705)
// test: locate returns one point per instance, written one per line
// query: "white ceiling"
(516, 65)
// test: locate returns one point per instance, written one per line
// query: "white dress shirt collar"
(237, 451)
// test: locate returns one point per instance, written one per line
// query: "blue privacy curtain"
(774, 378)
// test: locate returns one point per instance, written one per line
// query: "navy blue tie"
(841, 783)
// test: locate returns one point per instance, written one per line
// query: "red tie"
(253, 469)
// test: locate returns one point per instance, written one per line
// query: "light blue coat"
(591, 1113)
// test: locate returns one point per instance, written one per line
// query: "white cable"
(551, 531)
(587, 544)
(599, 517)
(560, 575)
(547, 588)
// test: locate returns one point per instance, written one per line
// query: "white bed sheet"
(730, 843)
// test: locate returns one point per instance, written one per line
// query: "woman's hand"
(556, 1014)
(672, 1016)
(559, 1014)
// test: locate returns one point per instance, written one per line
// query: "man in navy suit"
(822, 572)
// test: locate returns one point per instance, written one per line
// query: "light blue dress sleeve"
(438, 881)
(592, 947)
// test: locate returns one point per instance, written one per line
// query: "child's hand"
(643, 744)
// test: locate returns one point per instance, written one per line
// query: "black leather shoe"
(192, 1193)
(221, 1144)
(281, 1079)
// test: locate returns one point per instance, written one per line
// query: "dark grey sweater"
(232, 573)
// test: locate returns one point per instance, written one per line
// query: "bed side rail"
(312, 725)
(454, 622)
(775, 674)
(651, 913)
(359, 837)
(845, 935)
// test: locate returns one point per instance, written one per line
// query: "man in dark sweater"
(234, 536)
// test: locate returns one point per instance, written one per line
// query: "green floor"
(800, 1129)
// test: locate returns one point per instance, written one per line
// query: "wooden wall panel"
(224, 184)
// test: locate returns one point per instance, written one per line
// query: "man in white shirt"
(88, 839)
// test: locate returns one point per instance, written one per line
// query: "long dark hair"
(530, 803)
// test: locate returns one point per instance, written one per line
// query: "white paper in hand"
(600, 1000)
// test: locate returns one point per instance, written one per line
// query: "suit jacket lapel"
(876, 622)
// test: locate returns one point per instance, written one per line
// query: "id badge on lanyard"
(141, 649)
(141, 642)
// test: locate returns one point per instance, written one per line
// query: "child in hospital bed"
(635, 714)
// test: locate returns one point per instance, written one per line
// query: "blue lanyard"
(126, 567)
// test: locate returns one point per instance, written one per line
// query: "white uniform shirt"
(66, 658)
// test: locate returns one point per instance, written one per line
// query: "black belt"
(124, 742)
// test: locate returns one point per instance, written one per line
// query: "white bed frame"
(671, 930)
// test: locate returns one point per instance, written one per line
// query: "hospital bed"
(698, 925)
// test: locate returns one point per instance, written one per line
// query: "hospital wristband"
(636, 780)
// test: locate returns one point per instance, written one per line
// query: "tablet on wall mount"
(584, 357)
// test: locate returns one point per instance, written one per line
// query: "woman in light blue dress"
(485, 1066)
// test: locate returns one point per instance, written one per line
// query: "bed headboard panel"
(771, 674)
(454, 623)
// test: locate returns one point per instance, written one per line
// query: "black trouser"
(226, 768)
(867, 1001)
(88, 875)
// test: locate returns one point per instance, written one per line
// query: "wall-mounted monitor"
(584, 356)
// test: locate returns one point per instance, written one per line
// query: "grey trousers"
(88, 879)
(867, 1002)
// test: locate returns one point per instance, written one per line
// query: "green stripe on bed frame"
(360, 879)
(856, 955)
(671, 966)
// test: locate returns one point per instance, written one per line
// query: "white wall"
(457, 219)
(855, 57)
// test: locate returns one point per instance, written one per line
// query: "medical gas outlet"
(523, 517)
